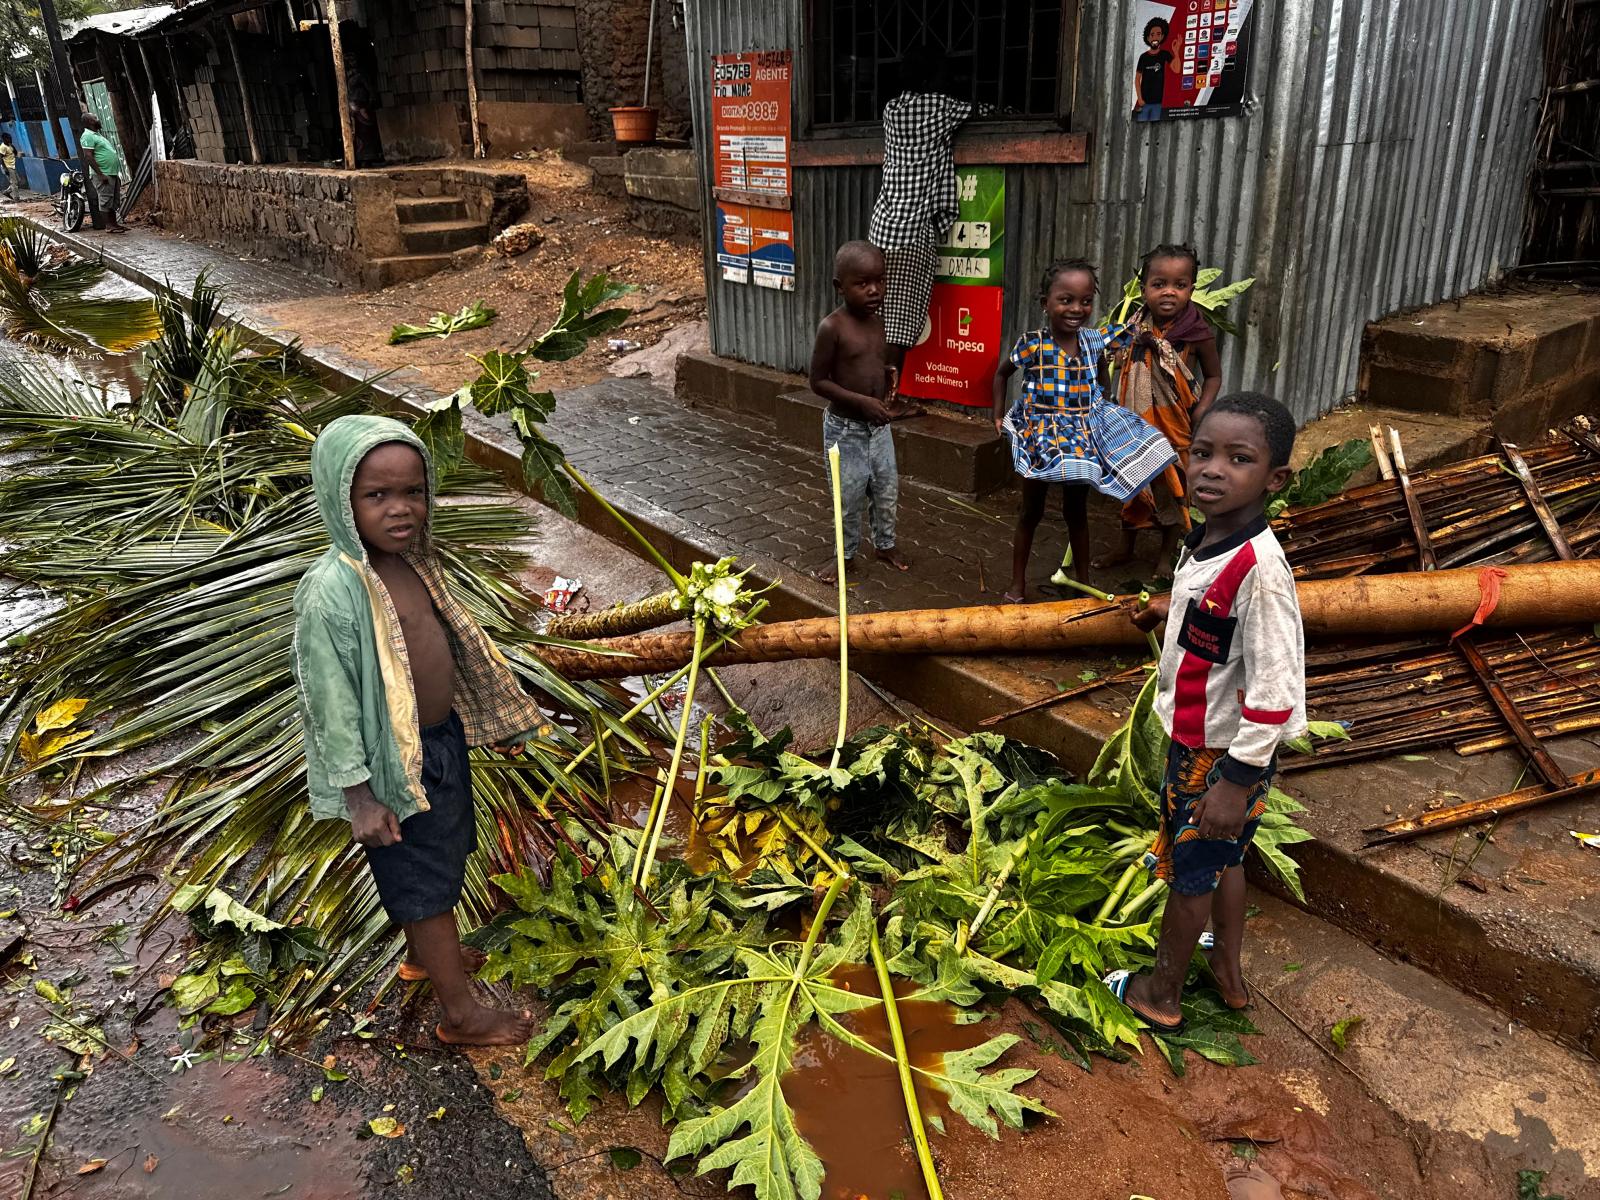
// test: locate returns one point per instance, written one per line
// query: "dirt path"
(583, 230)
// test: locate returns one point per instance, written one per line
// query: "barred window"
(1010, 54)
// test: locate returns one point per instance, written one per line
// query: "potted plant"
(636, 125)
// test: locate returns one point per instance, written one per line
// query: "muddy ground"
(583, 230)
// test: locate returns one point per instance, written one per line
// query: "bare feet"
(472, 960)
(486, 1027)
(830, 573)
(1116, 558)
(894, 558)
(1163, 1018)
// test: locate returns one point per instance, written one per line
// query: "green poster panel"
(974, 250)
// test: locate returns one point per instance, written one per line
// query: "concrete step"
(1493, 1097)
(403, 268)
(948, 452)
(1520, 361)
(440, 237)
(418, 210)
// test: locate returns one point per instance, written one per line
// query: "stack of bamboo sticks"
(1406, 696)
(1476, 512)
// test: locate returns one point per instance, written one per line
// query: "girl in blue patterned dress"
(1062, 428)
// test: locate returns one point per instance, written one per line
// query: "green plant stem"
(1115, 898)
(1089, 590)
(811, 844)
(1140, 902)
(655, 555)
(964, 936)
(1150, 634)
(577, 759)
(817, 922)
(902, 1062)
(705, 747)
(658, 812)
(844, 603)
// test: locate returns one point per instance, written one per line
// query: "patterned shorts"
(1193, 866)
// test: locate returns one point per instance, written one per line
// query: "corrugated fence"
(1381, 165)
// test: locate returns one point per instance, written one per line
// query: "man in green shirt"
(105, 170)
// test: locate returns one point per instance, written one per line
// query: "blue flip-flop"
(1117, 983)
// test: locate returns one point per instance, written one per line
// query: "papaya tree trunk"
(617, 622)
(1532, 596)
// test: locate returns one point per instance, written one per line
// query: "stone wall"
(330, 222)
(611, 46)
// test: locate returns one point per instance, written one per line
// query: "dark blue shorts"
(421, 875)
(1191, 865)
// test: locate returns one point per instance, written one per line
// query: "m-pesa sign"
(960, 347)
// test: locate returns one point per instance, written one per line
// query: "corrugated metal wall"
(1382, 165)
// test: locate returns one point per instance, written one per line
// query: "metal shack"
(1356, 157)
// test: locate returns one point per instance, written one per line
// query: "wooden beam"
(971, 149)
(472, 88)
(1536, 500)
(244, 90)
(1419, 530)
(347, 129)
(1546, 767)
(1473, 811)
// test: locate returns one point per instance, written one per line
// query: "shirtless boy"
(849, 369)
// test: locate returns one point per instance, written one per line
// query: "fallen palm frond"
(176, 534)
(42, 301)
(472, 316)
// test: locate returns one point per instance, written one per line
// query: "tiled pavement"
(734, 480)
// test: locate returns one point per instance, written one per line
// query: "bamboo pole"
(1538, 595)
(472, 88)
(1474, 811)
(244, 90)
(347, 128)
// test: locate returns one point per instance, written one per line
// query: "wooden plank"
(1425, 556)
(971, 150)
(244, 90)
(1549, 770)
(752, 199)
(1541, 506)
(347, 129)
(1474, 811)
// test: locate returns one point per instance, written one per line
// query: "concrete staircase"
(432, 230)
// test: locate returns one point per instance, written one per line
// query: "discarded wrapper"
(561, 593)
(1591, 840)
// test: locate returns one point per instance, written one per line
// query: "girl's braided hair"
(1169, 250)
(1059, 268)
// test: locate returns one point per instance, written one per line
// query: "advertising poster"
(1189, 58)
(750, 120)
(961, 343)
(751, 178)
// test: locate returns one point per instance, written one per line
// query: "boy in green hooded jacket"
(396, 681)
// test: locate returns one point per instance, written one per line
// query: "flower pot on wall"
(633, 126)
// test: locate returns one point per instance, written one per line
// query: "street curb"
(1542, 988)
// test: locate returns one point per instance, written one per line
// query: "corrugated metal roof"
(125, 24)
(1380, 165)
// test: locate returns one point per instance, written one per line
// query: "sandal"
(1117, 982)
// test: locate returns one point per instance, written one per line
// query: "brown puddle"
(848, 1105)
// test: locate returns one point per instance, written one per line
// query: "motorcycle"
(70, 202)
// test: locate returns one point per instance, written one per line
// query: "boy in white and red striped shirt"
(1231, 688)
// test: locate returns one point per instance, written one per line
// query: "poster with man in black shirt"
(1191, 58)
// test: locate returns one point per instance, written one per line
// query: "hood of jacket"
(337, 453)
